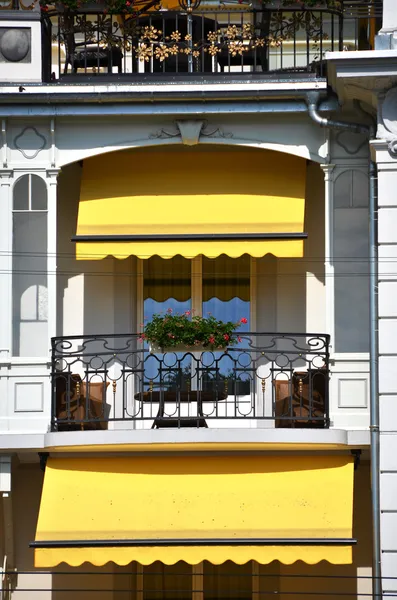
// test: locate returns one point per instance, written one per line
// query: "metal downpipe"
(312, 100)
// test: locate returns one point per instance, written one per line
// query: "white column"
(387, 243)
(5, 263)
(389, 21)
(328, 236)
(52, 175)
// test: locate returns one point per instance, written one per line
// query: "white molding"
(6, 259)
(328, 170)
(350, 357)
(52, 175)
(4, 159)
(46, 90)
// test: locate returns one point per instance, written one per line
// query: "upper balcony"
(172, 41)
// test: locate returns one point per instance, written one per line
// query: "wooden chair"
(81, 402)
(301, 398)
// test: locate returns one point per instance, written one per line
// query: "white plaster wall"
(78, 137)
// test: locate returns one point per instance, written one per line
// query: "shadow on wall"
(93, 296)
(300, 282)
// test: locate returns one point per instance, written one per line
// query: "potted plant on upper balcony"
(96, 6)
(180, 332)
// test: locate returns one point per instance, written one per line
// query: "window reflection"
(226, 296)
(166, 285)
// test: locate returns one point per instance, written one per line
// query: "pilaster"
(52, 186)
(6, 178)
(328, 170)
(387, 286)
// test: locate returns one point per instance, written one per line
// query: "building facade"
(228, 159)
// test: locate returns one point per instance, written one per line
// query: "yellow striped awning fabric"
(195, 508)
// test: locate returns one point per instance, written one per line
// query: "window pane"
(29, 284)
(21, 193)
(167, 279)
(166, 287)
(226, 296)
(38, 193)
(167, 582)
(226, 289)
(227, 581)
(351, 280)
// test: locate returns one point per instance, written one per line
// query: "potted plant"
(180, 332)
(92, 6)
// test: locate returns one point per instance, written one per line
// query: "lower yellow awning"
(191, 201)
(195, 508)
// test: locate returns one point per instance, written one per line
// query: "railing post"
(53, 387)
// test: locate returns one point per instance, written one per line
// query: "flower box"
(94, 6)
(155, 349)
(187, 333)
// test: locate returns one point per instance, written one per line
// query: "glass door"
(167, 376)
(226, 294)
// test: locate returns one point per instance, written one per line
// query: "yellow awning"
(195, 508)
(191, 201)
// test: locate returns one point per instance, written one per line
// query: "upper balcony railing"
(135, 40)
(101, 382)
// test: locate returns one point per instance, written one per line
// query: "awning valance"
(195, 508)
(190, 202)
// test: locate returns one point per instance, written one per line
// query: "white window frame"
(197, 289)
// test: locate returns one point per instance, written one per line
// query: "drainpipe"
(312, 100)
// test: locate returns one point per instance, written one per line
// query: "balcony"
(207, 40)
(114, 382)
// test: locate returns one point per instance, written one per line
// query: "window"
(204, 581)
(219, 286)
(351, 262)
(29, 267)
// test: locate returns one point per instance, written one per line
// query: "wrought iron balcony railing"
(99, 381)
(214, 38)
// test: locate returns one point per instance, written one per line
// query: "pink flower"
(140, 339)
(239, 339)
(169, 310)
(128, 3)
(211, 339)
(226, 337)
(188, 313)
(169, 335)
(243, 320)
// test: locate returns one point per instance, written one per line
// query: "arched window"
(29, 267)
(351, 252)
